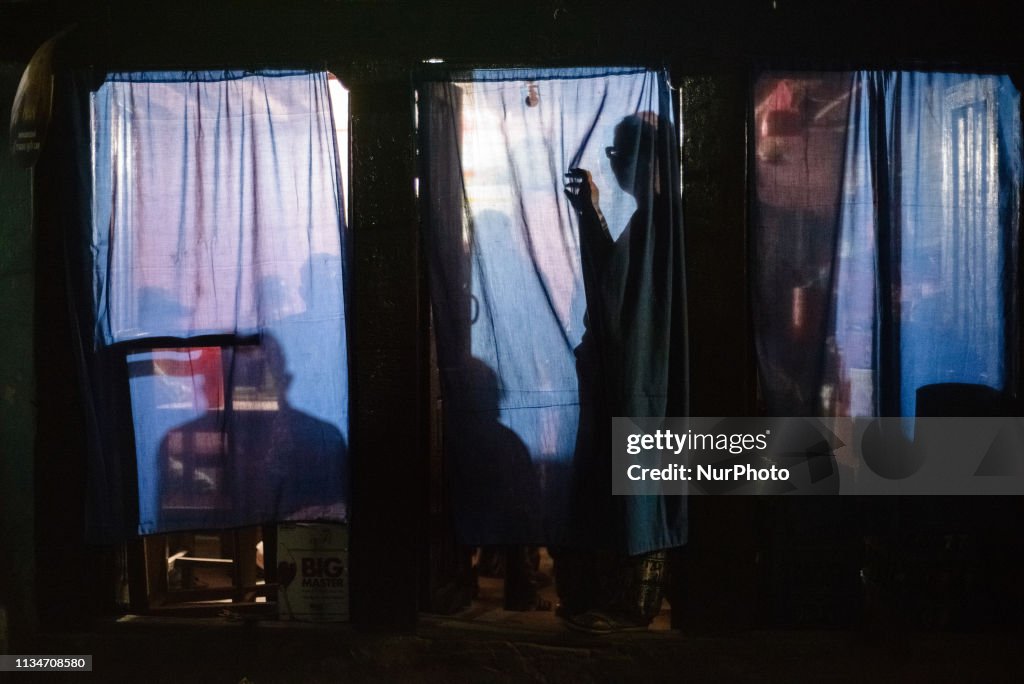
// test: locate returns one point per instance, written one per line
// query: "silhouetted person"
(314, 339)
(622, 364)
(493, 471)
(159, 313)
(272, 299)
(257, 460)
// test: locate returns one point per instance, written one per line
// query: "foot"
(599, 622)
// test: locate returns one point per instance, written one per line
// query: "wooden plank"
(389, 441)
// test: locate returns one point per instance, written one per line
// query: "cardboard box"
(312, 571)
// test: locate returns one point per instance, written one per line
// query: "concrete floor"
(488, 609)
(485, 643)
(459, 650)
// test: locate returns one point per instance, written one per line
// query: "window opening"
(219, 216)
(509, 307)
(886, 231)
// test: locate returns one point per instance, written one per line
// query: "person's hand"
(582, 192)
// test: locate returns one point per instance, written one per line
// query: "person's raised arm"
(595, 239)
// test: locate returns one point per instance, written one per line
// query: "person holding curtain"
(611, 580)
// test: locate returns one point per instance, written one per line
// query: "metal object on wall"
(33, 104)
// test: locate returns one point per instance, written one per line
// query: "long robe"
(630, 362)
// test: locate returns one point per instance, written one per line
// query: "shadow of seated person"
(256, 459)
(497, 483)
(311, 330)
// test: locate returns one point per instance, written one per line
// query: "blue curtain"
(217, 261)
(539, 341)
(886, 233)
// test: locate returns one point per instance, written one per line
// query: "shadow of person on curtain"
(272, 299)
(158, 312)
(497, 481)
(611, 579)
(314, 337)
(257, 459)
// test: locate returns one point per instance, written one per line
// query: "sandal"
(598, 622)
